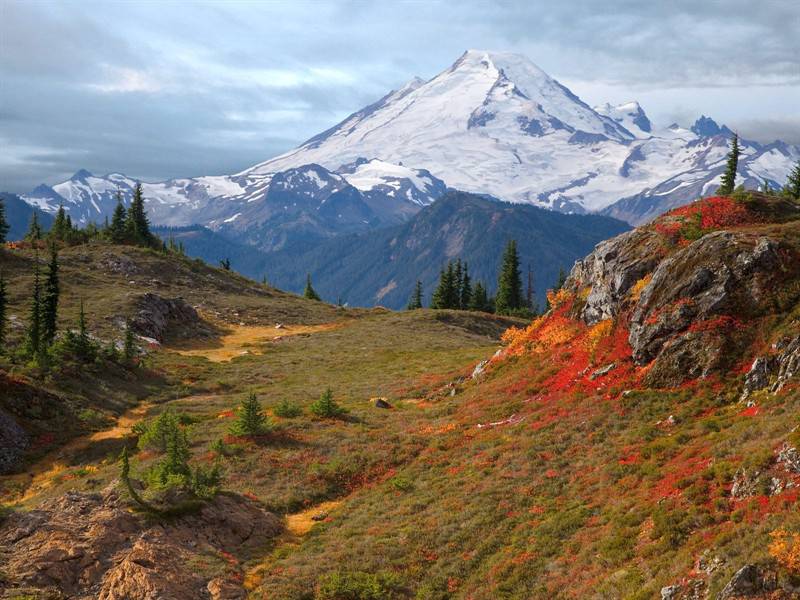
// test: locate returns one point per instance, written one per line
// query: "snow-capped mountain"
(268, 209)
(492, 123)
(495, 123)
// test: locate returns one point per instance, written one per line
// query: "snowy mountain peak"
(708, 127)
(81, 174)
(630, 115)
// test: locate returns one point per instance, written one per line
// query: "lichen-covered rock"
(156, 314)
(687, 319)
(612, 269)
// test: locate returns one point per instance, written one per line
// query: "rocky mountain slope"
(382, 267)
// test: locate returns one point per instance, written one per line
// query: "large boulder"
(157, 316)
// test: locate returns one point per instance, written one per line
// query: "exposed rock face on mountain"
(686, 299)
(91, 546)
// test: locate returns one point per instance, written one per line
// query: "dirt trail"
(297, 525)
(247, 339)
(41, 474)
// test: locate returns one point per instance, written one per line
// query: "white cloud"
(125, 80)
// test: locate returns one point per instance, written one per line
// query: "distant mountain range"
(382, 266)
(493, 124)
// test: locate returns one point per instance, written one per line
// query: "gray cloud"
(179, 89)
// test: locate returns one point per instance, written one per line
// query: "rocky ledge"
(90, 545)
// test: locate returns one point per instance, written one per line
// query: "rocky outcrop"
(687, 319)
(749, 581)
(774, 371)
(612, 269)
(157, 315)
(92, 546)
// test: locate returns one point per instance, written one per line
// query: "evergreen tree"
(137, 225)
(309, 291)
(124, 476)
(480, 300)
(251, 420)
(225, 263)
(4, 226)
(465, 294)
(729, 176)
(458, 280)
(792, 187)
(509, 283)
(446, 294)
(34, 334)
(529, 291)
(3, 304)
(34, 229)
(117, 231)
(415, 302)
(59, 230)
(326, 407)
(129, 348)
(84, 348)
(50, 299)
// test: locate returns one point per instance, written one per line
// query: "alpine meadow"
(484, 335)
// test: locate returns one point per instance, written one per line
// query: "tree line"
(456, 291)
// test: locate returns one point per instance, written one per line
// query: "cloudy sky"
(160, 89)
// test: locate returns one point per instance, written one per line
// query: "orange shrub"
(785, 549)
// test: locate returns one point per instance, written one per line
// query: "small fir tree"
(59, 230)
(3, 305)
(34, 233)
(137, 226)
(326, 407)
(4, 226)
(792, 188)
(509, 283)
(415, 302)
(251, 420)
(129, 351)
(117, 231)
(309, 292)
(729, 176)
(562, 279)
(50, 299)
(225, 264)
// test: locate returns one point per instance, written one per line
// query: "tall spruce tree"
(3, 305)
(50, 299)
(4, 226)
(34, 233)
(309, 291)
(137, 225)
(33, 338)
(117, 231)
(562, 279)
(465, 293)
(415, 302)
(509, 283)
(792, 187)
(446, 294)
(83, 346)
(729, 176)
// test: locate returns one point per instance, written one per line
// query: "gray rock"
(157, 314)
(602, 371)
(382, 403)
(670, 592)
(789, 457)
(747, 581)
